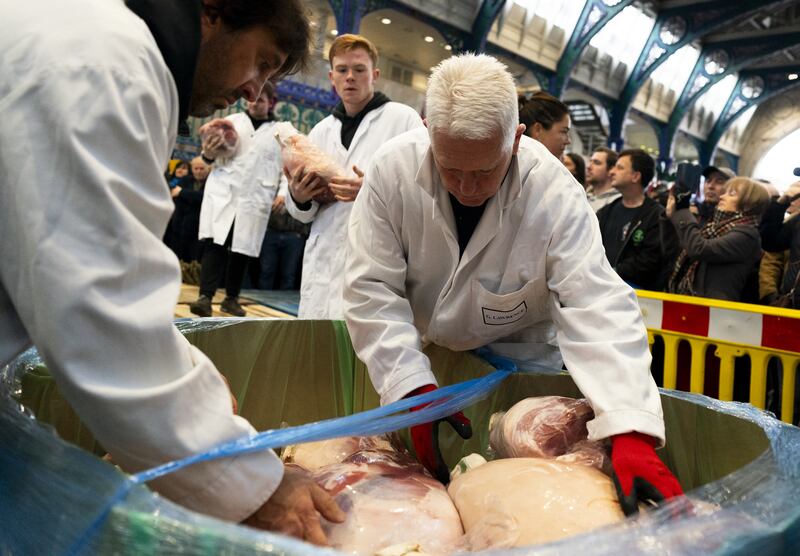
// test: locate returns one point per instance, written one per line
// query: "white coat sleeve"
(601, 332)
(378, 315)
(86, 205)
(304, 216)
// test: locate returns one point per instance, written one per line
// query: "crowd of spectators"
(737, 239)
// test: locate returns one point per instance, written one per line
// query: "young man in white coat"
(467, 234)
(237, 202)
(93, 92)
(363, 121)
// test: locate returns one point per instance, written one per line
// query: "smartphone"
(688, 177)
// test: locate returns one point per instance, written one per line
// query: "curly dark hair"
(287, 20)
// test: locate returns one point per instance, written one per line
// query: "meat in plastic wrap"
(523, 501)
(547, 427)
(313, 455)
(297, 151)
(589, 452)
(224, 129)
(389, 500)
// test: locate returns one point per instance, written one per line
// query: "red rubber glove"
(639, 474)
(426, 438)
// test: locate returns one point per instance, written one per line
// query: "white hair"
(472, 96)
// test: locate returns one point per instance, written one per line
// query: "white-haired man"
(468, 234)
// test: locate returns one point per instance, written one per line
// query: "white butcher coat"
(534, 276)
(243, 187)
(92, 111)
(323, 260)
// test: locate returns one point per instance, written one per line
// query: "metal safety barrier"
(769, 337)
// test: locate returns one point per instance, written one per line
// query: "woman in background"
(546, 119)
(576, 166)
(181, 171)
(717, 259)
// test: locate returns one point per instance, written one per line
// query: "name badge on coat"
(495, 317)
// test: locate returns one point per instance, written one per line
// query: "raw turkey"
(523, 501)
(547, 427)
(226, 131)
(389, 500)
(298, 150)
(313, 455)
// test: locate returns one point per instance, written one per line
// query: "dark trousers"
(213, 267)
(281, 255)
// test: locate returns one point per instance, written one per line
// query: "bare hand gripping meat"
(389, 499)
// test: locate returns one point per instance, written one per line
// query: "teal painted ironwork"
(746, 94)
(736, 53)
(594, 16)
(349, 14)
(488, 13)
(675, 28)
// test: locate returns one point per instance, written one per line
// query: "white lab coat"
(242, 188)
(90, 112)
(533, 276)
(323, 260)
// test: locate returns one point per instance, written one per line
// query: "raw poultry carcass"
(298, 151)
(224, 129)
(523, 501)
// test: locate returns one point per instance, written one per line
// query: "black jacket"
(648, 253)
(179, 44)
(727, 263)
(185, 224)
(778, 236)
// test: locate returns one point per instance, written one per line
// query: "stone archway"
(774, 120)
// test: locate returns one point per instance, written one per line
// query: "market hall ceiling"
(756, 42)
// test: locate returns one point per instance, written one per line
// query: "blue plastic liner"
(442, 402)
(58, 499)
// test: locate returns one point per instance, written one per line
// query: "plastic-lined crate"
(60, 498)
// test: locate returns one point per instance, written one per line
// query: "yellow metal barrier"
(736, 331)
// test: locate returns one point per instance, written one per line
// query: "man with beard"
(95, 91)
(598, 174)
